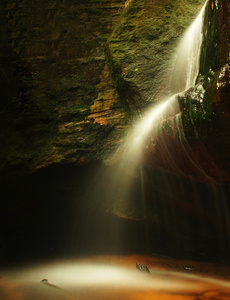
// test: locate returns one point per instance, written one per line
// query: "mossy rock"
(140, 49)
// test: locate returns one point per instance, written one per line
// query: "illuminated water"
(144, 134)
(114, 278)
(183, 76)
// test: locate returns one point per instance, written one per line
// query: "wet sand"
(115, 277)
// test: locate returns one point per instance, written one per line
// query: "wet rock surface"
(142, 268)
(197, 143)
(205, 108)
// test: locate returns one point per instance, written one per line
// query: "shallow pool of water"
(115, 277)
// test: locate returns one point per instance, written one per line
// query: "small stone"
(142, 268)
(44, 280)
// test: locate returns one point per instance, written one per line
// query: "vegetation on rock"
(71, 73)
(52, 64)
(141, 46)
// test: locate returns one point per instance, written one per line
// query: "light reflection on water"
(106, 278)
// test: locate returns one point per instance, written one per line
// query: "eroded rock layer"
(58, 102)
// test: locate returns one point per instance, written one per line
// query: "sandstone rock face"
(75, 73)
(58, 102)
(140, 50)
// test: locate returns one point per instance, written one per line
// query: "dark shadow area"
(49, 215)
(69, 211)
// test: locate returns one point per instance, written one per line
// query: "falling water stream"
(116, 277)
(183, 76)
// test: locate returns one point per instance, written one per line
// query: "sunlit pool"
(110, 277)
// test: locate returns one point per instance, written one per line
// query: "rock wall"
(58, 102)
(74, 74)
(140, 50)
(206, 108)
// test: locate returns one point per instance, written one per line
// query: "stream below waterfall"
(115, 277)
(85, 244)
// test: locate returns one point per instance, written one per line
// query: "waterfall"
(183, 74)
(136, 207)
(187, 56)
(122, 187)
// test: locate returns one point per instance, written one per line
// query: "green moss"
(210, 64)
(210, 52)
(53, 58)
(142, 44)
(197, 109)
(116, 71)
(70, 82)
